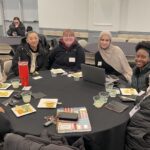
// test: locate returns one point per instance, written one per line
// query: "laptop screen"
(93, 74)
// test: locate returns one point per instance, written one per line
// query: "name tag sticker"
(134, 110)
(99, 63)
(72, 59)
(37, 77)
(26, 88)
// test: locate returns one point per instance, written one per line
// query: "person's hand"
(2, 110)
(14, 34)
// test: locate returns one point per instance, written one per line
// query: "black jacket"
(67, 58)
(20, 31)
(42, 40)
(138, 129)
(108, 69)
(5, 126)
(23, 53)
(44, 142)
(140, 78)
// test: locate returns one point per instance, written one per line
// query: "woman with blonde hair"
(112, 58)
(68, 54)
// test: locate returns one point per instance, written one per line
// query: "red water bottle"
(23, 72)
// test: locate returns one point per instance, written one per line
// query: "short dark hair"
(143, 45)
(29, 28)
(30, 32)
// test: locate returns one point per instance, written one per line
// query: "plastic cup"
(96, 98)
(113, 93)
(26, 96)
(109, 87)
(15, 83)
(104, 96)
(97, 101)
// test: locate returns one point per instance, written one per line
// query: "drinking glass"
(104, 96)
(97, 102)
(113, 92)
(108, 87)
(26, 96)
(15, 83)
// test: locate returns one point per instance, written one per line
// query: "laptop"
(93, 74)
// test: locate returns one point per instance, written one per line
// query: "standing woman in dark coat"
(32, 52)
(16, 28)
(141, 71)
(68, 54)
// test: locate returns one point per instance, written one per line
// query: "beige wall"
(114, 15)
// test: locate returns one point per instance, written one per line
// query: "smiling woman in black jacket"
(141, 71)
(32, 52)
(68, 54)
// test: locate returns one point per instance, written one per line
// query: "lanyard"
(137, 107)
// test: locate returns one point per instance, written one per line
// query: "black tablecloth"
(108, 127)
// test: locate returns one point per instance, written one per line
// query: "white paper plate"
(48, 103)
(23, 110)
(4, 86)
(129, 91)
(5, 93)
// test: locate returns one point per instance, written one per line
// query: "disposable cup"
(108, 87)
(26, 96)
(104, 96)
(113, 93)
(15, 83)
(96, 98)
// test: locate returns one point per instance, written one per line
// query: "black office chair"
(53, 43)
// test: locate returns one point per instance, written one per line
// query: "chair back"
(5, 48)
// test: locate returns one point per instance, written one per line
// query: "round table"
(108, 127)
